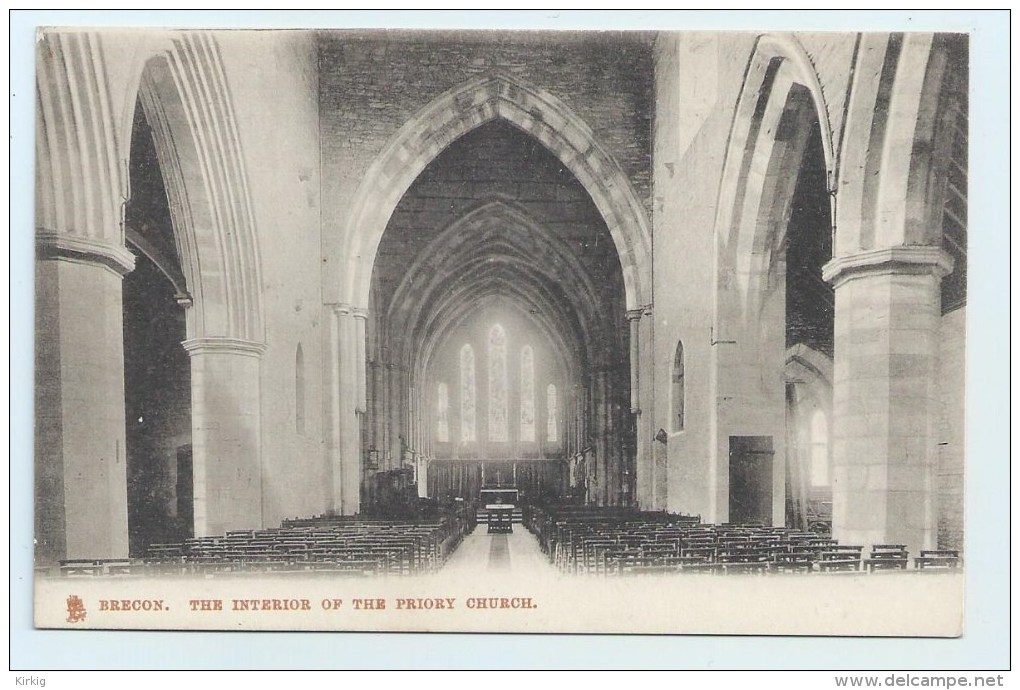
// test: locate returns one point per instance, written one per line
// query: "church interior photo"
(624, 301)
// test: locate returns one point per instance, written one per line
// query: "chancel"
(636, 301)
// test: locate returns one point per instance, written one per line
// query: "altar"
(498, 494)
(500, 517)
(500, 503)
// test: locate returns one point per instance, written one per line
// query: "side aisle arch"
(186, 100)
(780, 119)
(781, 94)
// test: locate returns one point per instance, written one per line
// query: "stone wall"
(372, 83)
(697, 82)
(951, 427)
(278, 122)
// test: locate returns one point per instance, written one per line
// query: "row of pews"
(325, 544)
(618, 541)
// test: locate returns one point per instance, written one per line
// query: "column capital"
(907, 260)
(340, 308)
(223, 346)
(59, 245)
(635, 314)
(359, 313)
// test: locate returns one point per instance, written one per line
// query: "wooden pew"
(887, 557)
(937, 559)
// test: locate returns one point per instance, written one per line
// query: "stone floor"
(517, 552)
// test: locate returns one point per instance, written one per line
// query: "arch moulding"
(752, 192)
(182, 87)
(459, 111)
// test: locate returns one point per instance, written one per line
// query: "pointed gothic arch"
(781, 94)
(188, 105)
(186, 100)
(891, 181)
(461, 110)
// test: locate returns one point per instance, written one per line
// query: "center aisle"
(482, 553)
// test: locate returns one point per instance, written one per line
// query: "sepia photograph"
(505, 331)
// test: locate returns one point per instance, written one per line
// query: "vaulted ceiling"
(497, 219)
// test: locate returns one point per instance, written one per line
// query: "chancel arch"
(534, 111)
(526, 283)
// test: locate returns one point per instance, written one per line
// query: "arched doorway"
(157, 373)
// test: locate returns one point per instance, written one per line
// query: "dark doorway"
(157, 370)
(185, 491)
(751, 479)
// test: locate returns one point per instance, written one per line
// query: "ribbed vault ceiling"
(525, 234)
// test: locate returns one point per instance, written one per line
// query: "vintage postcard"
(501, 331)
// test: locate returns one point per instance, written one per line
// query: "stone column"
(360, 358)
(644, 467)
(345, 437)
(350, 418)
(375, 405)
(394, 412)
(226, 401)
(359, 350)
(634, 319)
(334, 442)
(80, 465)
(645, 423)
(80, 461)
(884, 395)
(602, 445)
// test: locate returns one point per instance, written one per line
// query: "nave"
(442, 279)
(482, 555)
(464, 543)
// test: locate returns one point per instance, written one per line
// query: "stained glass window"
(551, 405)
(497, 384)
(467, 394)
(442, 414)
(527, 394)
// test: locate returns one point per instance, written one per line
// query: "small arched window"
(442, 414)
(552, 431)
(299, 390)
(819, 449)
(527, 394)
(467, 394)
(678, 391)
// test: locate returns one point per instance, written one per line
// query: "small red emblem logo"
(75, 609)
